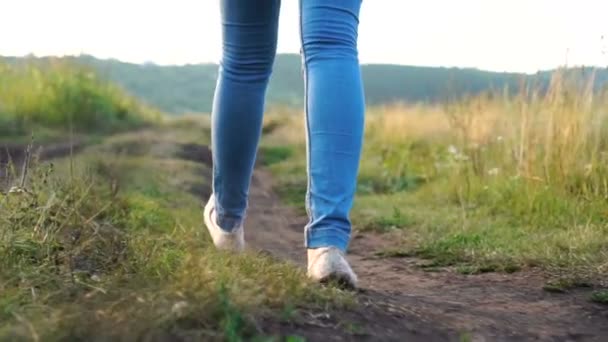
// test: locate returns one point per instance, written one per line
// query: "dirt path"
(12, 155)
(403, 302)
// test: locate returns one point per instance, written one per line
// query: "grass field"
(109, 244)
(491, 183)
(100, 247)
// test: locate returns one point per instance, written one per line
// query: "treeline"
(189, 88)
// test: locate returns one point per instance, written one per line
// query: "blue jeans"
(334, 110)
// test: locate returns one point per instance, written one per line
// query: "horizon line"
(153, 63)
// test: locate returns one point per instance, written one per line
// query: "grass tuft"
(600, 297)
(563, 285)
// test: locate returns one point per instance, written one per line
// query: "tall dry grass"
(557, 139)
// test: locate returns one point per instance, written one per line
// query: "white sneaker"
(233, 241)
(328, 264)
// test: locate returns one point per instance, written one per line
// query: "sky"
(499, 35)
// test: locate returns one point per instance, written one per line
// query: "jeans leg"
(249, 32)
(335, 117)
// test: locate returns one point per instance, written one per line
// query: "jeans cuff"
(327, 237)
(228, 224)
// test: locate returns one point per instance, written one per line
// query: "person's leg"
(335, 117)
(249, 47)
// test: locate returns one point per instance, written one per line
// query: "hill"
(51, 97)
(189, 88)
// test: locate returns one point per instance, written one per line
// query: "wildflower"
(440, 166)
(494, 171)
(179, 308)
(461, 157)
(453, 150)
(588, 169)
(500, 138)
(16, 190)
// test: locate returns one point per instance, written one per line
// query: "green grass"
(564, 284)
(270, 155)
(290, 173)
(53, 97)
(108, 249)
(600, 297)
(485, 236)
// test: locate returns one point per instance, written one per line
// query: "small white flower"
(16, 190)
(179, 308)
(494, 171)
(588, 169)
(453, 150)
(500, 138)
(95, 278)
(461, 157)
